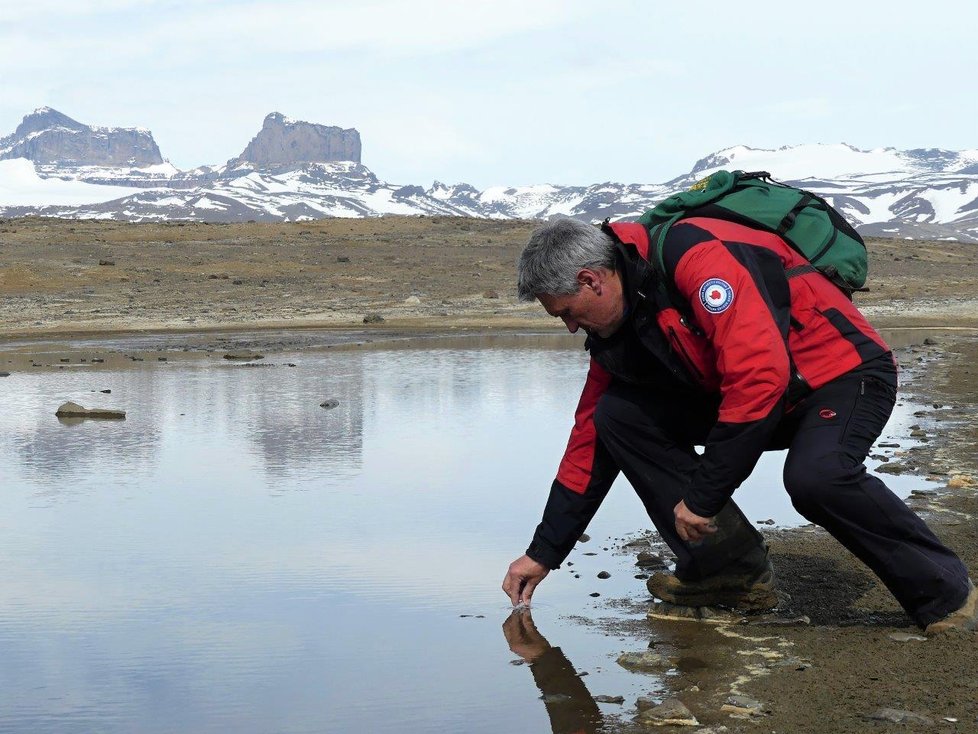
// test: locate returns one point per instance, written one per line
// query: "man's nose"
(571, 324)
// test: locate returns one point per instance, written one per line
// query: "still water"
(233, 557)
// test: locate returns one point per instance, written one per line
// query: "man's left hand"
(690, 526)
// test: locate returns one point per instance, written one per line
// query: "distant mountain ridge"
(47, 136)
(296, 170)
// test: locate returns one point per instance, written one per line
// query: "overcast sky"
(501, 92)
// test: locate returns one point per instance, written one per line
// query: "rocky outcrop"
(47, 136)
(283, 142)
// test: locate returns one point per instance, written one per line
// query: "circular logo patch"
(716, 295)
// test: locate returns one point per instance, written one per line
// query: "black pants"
(651, 437)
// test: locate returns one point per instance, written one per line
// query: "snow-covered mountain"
(296, 170)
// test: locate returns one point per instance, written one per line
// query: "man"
(734, 355)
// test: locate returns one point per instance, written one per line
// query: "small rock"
(243, 356)
(373, 318)
(960, 481)
(929, 342)
(106, 262)
(412, 300)
(490, 294)
(891, 469)
(161, 359)
(604, 575)
(98, 359)
(743, 707)
(74, 410)
(593, 593)
(105, 392)
(610, 699)
(647, 661)
(4, 374)
(342, 259)
(331, 403)
(584, 538)
(647, 559)
(556, 698)
(671, 712)
(906, 637)
(769, 521)
(888, 445)
(237, 281)
(896, 716)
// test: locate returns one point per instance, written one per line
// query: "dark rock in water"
(373, 318)
(891, 469)
(331, 403)
(106, 392)
(4, 374)
(646, 660)
(243, 356)
(584, 538)
(604, 575)
(593, 593)
(896, 716)
(74, 410)
(671, 712)
(647, 559)
(609, 699)
(556, 698)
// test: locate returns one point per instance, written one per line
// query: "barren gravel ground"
(220, 285)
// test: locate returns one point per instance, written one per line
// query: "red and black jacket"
(732, 324)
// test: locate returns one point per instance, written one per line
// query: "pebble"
(906, 637)
(896, 716)
(647, 559)
(671, 712)
(4, 374)
(584, 538)
(604, 575)
(331, 403)
(610, 699)
(647, 660)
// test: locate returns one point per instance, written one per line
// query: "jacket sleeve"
(738, 295)
(585, 475)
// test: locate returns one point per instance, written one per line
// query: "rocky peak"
(47, 136)
(284, 142)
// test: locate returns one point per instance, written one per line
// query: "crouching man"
(734, 355)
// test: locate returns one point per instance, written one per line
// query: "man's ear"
(587, 278)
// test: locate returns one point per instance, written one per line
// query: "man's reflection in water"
(569, 704)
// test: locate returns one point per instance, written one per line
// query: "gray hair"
(556, 252)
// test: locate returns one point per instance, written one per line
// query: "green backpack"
(802, 219)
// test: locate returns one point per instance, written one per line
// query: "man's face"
(598, 307)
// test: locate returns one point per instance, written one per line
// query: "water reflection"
(570, 706)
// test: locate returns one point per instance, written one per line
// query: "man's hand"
(690, 526)
(522, 578)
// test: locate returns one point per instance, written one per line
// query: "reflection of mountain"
(290, 434)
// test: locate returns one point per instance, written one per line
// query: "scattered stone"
(331, 403)
(412, 300)
(490, 294)
(105, 392)
(679, 613)
(888, 445)
(373, 318)
(906, 637)
(742, 707)
(610, 699)
(647, 559)
(161, 359)
(604, 575)
(74, 410)
(4, 374)
(106, 262)
(64, 359)
(896, 716)
(584, 538)
(930, 342)
(891, 469)
(645, 661)
(243, 356)
(97, 359)
(960, 481)
(671, 712)
(556, 698)
(593, 593)
(342, 259)
(769, 521)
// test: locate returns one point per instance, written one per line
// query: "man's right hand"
(522, 578)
